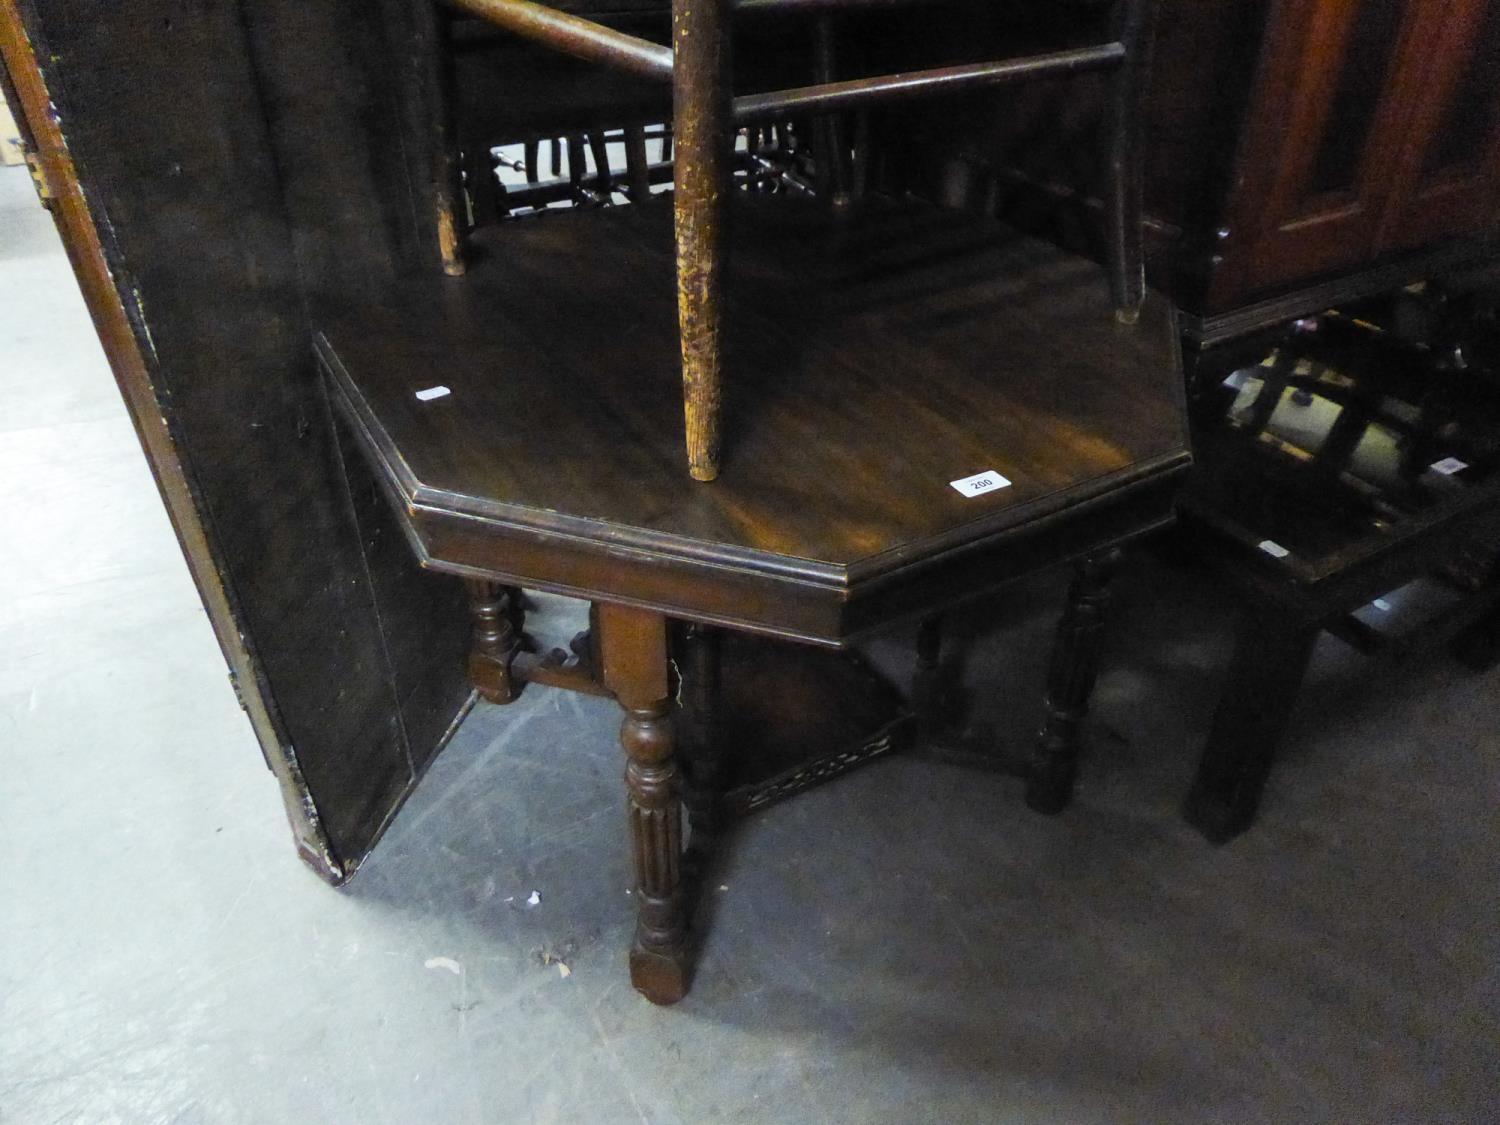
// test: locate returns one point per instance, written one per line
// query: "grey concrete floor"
(905, 945)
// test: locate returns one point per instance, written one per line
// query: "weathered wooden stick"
(701, 125)
(1122, 164)
(433, 78)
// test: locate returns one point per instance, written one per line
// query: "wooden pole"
(1122, 164)
(701, 126)
(829, 153)
(855, 93)
(573, 35)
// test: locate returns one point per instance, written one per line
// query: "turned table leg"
(497, 639)
(1271, 654)
(633, 644)
(702, 744)
(1070, 682)
(926, 684)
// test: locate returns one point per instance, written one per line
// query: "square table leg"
(1271, 654)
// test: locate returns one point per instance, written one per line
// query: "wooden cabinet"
(1373, 128)
(1296, 151)
(1449, 167)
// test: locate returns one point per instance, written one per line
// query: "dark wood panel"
(1374, 130)
(1334, 76)
(424, 617)
(345, 118)
(200, 244)
(1448, 172)
(84, 236)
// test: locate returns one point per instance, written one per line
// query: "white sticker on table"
(980, 483)
(1274, 549)
(431, 393)
(1449, 465)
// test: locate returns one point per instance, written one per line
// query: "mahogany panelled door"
(1374, 127)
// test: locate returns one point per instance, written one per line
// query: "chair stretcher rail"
(573, 35)
(834, 96)
(827, 7)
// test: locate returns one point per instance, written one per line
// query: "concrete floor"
(905, 945)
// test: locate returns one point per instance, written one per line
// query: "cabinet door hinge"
(39, 179)
(239, 696)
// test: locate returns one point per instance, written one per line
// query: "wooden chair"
(900, 408)
(705, 114)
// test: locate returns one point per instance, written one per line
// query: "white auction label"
(1274, 549)
(431, 393)
(980, 483)
(1449, 465)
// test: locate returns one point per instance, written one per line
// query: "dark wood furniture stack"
(887, 408)
(1371, 152)
(1299, 153)
(1350, 461)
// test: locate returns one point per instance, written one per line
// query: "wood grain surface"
(870, 362)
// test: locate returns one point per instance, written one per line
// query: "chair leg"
(604, 179)
(577, 167)
(483, 190)
(634, 649)
(1265, 673)
(497, 639)
(637, 168)
(1070, 682)
(701, 124)
(830, 157)
(1122, 164)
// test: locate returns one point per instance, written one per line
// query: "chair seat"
(1363, 452)
(872, 360)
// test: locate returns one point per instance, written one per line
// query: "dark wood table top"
(871, 362)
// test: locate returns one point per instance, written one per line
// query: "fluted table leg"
(634, 649)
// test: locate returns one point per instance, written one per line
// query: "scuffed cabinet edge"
(126, 344)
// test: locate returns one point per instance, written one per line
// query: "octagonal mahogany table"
(526, 424)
